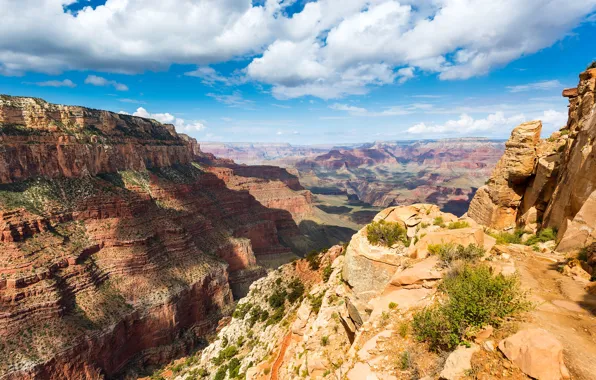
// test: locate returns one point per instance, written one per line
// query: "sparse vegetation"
(295, 290)
(385, 233)
(458, 224)
(314, 260)
(439, 222)
(324, 340)
(327, 272)
(474, 298)
(546, 234)
(508, 237)
(392, 305)
(591, 65)
(316, 301)
(451, 252)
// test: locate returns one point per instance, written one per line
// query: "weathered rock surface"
(458, 362)
(120, 240)
(537, 353)
(495, 205)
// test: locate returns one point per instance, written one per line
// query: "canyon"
(378, 175)
(409, 295)
(123, 243)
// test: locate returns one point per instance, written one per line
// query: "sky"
(304, 71)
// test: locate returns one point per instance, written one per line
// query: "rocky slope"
(121, 241)
(548, 183)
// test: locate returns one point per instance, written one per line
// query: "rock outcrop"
(548, 183)
(496, 204)
(121, 241)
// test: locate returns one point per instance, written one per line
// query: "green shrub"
(583, 254)
(233, 368)
(314, 260)
(591, 65)
(316, 302)
(405, 360)
(451, 252)
(392, 305)
(324, 340)
(327, 272)
(543, 236)
(221, 373)
(277, 316)
(228, 352)
(458, 224)
(295, 290)
(385, 233)
(278, 298)
(475, 298)
(508, 237)
(241, 310)
(439, 221)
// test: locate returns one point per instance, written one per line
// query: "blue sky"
(304, 72)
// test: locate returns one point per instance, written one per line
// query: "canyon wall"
(120, 241)
(550, 182)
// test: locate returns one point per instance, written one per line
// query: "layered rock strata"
(121, 241)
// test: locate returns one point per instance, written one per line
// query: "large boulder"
(496, 204)
(537, 353)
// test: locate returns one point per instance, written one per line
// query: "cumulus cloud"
(57, 83)
(102, 82)
(537, 86)
(493, 123)
(330, 49)
(167, 118)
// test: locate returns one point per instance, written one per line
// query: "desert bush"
(316, 301)
(327, 272)
(458, 224)
(278, 298)
(324, 340)
(543, 236)
(241, 310)
(385, 233)
(314, 260)
(277, 316)
(474, 298)
(508, 237)
(451, 252)
(591, 65)
(221, 373)
(234, 368)
(295, 290)
(439, 221)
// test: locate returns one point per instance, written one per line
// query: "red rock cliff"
(115, 244)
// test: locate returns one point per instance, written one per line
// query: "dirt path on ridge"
(564, 308)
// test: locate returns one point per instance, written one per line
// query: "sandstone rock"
(578, 270)
(422, 271)
(537, 353)
(484, 334)
(570, 92)
(496, 204)
(367, 267)
(458, 362)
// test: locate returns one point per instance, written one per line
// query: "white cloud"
(331, 49)
(167, 118)
(494, 123)
(537, 86)
(467, 124)
(57, 83)
(102, 82)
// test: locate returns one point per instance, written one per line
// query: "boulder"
(458, 362)
(537, 353)
(424, 270)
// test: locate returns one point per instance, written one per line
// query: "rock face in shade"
(496, 204)
(120, 240)
(573, 204)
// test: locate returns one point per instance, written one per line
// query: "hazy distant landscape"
(358, 180)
